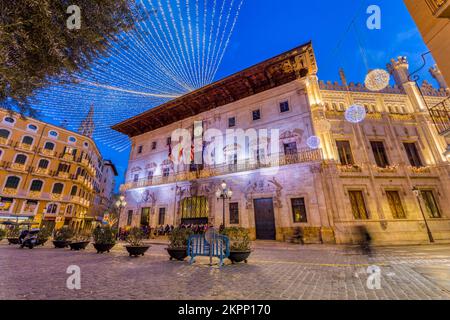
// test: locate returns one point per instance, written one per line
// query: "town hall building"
(388, 173)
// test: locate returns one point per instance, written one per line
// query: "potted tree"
(13, 235)
(80, 241)
(43, 236)
(178, 241)
(135, 245)
(239, 244)
(62, 237)
(104, 239)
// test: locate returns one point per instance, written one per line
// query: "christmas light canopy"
(355, 113)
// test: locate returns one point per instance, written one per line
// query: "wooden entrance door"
(264, 219)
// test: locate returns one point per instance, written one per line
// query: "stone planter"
(178, 254)
(13, 241)
(61, 244)
(137, 251)
(103, 247)
(239, 256)
(77, 246)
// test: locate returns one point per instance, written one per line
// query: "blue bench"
(198, 246)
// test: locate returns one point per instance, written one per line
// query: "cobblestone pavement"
(275, 271)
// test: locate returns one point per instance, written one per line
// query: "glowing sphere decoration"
(355, 114)
(377, 80)
(313, 142)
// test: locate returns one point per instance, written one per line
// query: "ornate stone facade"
(362, 174)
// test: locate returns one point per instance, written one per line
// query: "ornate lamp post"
(120, 204)
(418, 196)
(224, 192)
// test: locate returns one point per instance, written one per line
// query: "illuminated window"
(345, 152)
(194, 208)
(430, 204)
(358, 205)
(299, 210)
(395, 204)
(145, 217)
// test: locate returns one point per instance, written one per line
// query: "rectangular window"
(299, 210)
(430, 204)
(169, 141)
(284, 106)
(140, 148)
(166, 172)
(395, 204)
(413, 155)
(154, 145)
(130, 217)
(290, 148)
(162, 216)
(6, 204)
(145, 217)
(345, 152)
(234, 213)
(379, 152)
(358, 204)
(150, 176)
(231, 122)
(256, 114)
(136, 178)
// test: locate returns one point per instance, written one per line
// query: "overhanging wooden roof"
(277, 71)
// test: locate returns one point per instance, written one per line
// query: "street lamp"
(120, 204)
(417, 193)
(223, 192)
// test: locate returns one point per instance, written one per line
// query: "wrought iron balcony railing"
(303, 156)
(439, 8)
(440, 114)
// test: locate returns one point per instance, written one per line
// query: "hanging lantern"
(377, 80)
(323, 125)
(313, 142)
(355, 113)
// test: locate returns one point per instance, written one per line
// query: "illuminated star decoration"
(176, 49)
(377, 80)
(313, 142)
(355, 114)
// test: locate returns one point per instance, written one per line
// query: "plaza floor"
(275, 271)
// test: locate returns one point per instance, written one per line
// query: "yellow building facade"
(49, 176)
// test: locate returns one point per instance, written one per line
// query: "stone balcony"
(274, 161)
(18, 167)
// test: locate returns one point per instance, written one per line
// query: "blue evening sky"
(267, 27)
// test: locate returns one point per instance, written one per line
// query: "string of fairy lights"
(177, 48)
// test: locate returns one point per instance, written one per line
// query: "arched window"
(43, 164)
(4, 134)
(12, 182)
(52, 208)
(49, 146)
(72, 139)
(53, 134)
(32, 127)
(58, 188)
(69, 209)
(27, 140)
(36, 185)
(74, 190)
(9, 120)
(21, 159)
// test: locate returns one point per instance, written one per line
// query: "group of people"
(149, 232)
